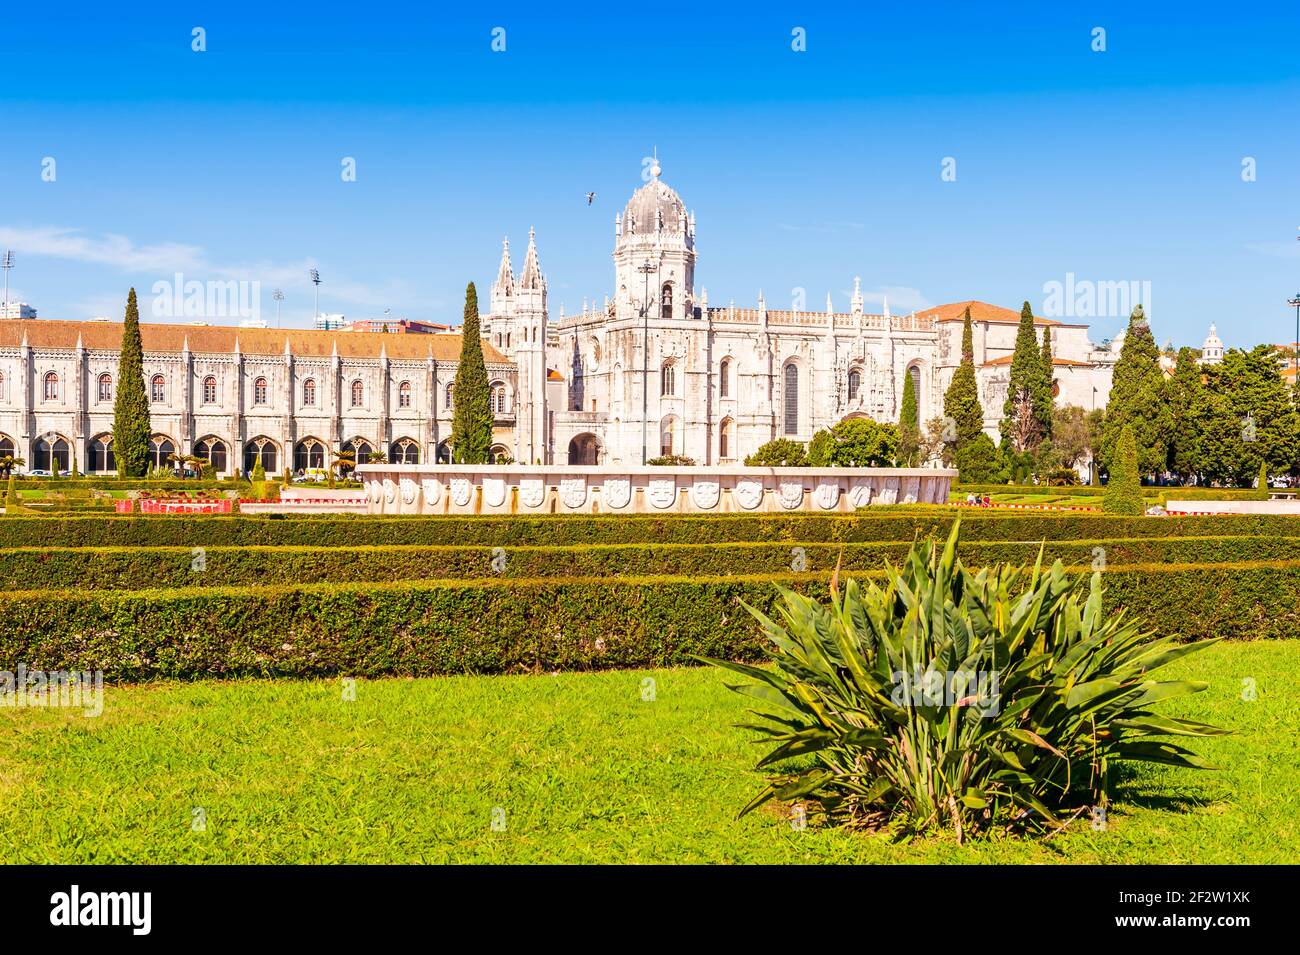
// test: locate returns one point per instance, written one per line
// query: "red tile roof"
(221, 339)
(979, 312)
(1056, 362)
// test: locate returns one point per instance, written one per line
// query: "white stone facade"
(724, 380)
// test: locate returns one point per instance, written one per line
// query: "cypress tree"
(1023, 425)
(1261, 483)
(471, 424)
(909, 427)
(1124, 489)
(961, 402)
(131, 426)
(1137, 398)
(1046, 398)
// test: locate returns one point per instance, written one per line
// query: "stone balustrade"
(578, 489)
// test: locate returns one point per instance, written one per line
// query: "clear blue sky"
(804, 169)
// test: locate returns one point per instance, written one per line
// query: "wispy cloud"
(822, 226)
(1277, 250)
(161, 261)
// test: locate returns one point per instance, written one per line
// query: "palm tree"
(8, 463)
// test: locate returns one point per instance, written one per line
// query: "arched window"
(212, 450)
(667, 435)
(209, 390)
(261, 449)
(309, 393)
(404, 395)
(51, 456)
(358, 394)
(161, 449)
(666, 301)
(668, 380)
(6, 446)
(259, 391)
(101, 454)
(450, 388)
(105, 387)
(497, 398)
(726, 439)
(404, 451)
(724, 378)
(308, 454)
(157, 389)
(359, 450)
(51, 386)
(791, 399)
(443, 452)
(915, 372)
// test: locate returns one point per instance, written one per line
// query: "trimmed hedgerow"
(134, 568)
(515, 626)
(899, 524)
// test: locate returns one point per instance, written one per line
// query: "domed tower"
(655, 229)
(1211, 348)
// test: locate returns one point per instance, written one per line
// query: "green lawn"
(584, 768)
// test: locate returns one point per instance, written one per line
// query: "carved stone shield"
(532, 491)
(461, 489)
(749, 494)
(494, 491)
(705, 494)
(618, 492)
(662, 492)
(790, 494)
(827, 495)
(573, 491)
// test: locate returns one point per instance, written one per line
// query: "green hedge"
(134, 568)
(345, 530)
(1083, 490)
(494, 627)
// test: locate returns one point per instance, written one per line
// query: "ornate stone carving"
(662, 492)
(860, 494)
(532, 492)
(494, 491)
(749, 494)
(573, 491)
(461, 491)
(618, 492)
(827, 495)
(409, 490)
(790, 494)
(705, 494)
(390, 490)
(432, 490)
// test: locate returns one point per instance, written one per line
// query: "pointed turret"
(505, 274)
(532, 274)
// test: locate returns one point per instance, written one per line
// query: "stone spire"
(505, 274)
(532, 274)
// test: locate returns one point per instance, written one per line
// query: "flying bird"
(590, 196)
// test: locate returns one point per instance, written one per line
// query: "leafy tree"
(1026, 414)
(471, 423)
(131, 425)
(909, 425)
(778, 453)
(1124, 490)
(854, 443)
(978, 462)
(961, 402)
(1245, 417)
(1184, 393)
(1137, 398)
(1071, 441)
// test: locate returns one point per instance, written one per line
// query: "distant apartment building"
(17, 310)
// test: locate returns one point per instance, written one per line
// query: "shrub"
(937, 699)
(778, 453)
(976, 460)
(672, 460)
(854, 443)
(1261, 483)
(1124, 490)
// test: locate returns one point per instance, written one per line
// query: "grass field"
(584, 768)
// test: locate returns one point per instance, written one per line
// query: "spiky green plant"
(942, 698)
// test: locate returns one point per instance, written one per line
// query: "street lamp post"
(315, 278)
(645, 269)
(1295, 345)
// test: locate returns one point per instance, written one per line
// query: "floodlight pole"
(7, 263)
(315, 278)
(279, 297)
